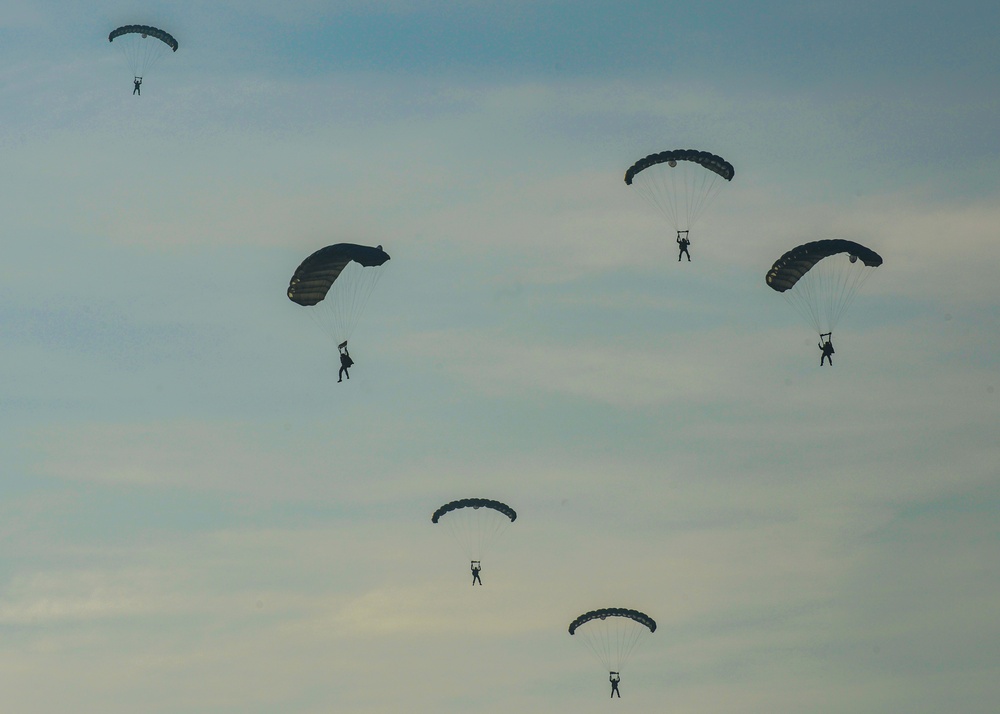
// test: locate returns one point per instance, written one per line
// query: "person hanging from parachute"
(682, 244)
(476, 524)
(680, 184)
(335, 282)
(612, 633)
(820, 280)
(826, 348)
(142, 47)
(345, 362)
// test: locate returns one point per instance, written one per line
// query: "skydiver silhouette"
(475, 576)
(826, 348)
(137, 82)
(614, 678)
(345, 362)
(682, 244)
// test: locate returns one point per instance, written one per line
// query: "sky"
(195, 517)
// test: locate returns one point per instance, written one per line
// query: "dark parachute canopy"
(142, 46)
(475, 523)
(475, 503)
(821, 278)
(317, 273)
(710, 161)
(612, 633)
(603, 614)
(145, 31)
(680, 183)
(789, 268)
(342, 278)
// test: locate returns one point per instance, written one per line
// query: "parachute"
(335, 282)
(476, 523)
(142, 46)
(612, 633)
(680, 183)
(821, 278)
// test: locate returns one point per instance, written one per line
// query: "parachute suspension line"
(323, 317)
(141, 53)
(600, 646)
(338, 314)
(681, 193)
(349, 304)
(823, 294)
(705, 186)
(132, 64)
(849, 289)
(659, 186)
(612, 640)
(476, 529)
(626, 639)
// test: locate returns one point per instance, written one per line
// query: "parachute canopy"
(475, 503)
(142, 46)
(145, 31)
(603, 614)
(710, 161)
(821, 278)
(680, 183)
(612, 633)
(789, 268)
(476, 523)
(342, 278)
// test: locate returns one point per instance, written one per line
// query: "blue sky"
(195, 516)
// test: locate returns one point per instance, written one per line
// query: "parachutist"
(611, 633)
(820, 284)
(335, 282)
(476, 523)
(682, 244)
(826, 348)
(679, 183)
(141, 55)
(345, 362)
